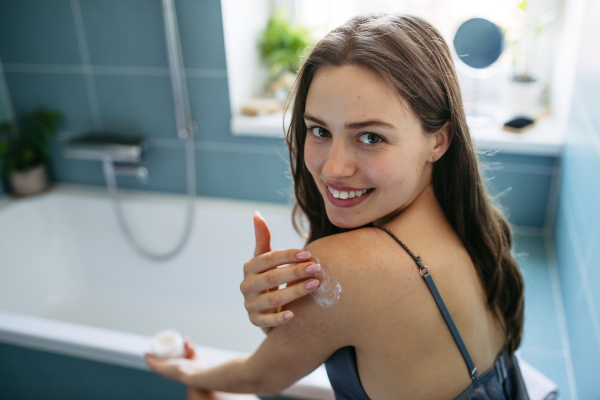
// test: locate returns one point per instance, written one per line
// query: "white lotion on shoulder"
(328, 292)
(167, 344)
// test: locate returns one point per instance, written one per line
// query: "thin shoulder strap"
(441, 305)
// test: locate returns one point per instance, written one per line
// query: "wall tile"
(127, 33)
(541, 323)
(262, 177)
(65, 93)
(593, 269)
(584, 349)
(140, 104)
(2, 118)
(519, 159)
(526, 201)
(63, 377)
(209, 102)
(584, 346)
(38, 31)
(201, 33)
(581, 163)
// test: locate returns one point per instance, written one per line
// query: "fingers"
(271, 320)
(279, 276)
(280, 297)
(273, 259)
(190, 352)
(262, 234)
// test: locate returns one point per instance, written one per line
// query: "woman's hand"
(262, 278)
(178, 369)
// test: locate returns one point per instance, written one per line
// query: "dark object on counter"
(521, 124)
(518, 124)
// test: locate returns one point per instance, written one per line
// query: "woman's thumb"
(262, 234)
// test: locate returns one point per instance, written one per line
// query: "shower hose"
(111, 183)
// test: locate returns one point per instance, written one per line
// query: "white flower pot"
(521, 98)
(29, 182)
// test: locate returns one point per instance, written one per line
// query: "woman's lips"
(352, 197)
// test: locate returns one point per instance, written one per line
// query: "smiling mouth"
(344, 195)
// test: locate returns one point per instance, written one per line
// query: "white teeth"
(346, 195)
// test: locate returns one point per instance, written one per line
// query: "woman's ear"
(442, 138)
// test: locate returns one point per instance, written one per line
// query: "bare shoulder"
(362, 271)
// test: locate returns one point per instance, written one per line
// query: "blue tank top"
(502, 381)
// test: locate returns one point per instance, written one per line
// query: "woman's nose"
(339, 162)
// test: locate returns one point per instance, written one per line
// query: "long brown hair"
(411, 56)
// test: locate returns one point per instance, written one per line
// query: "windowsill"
(543, 139)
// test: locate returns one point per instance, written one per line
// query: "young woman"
(380, 150)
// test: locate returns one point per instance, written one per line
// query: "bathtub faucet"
(120, 154)
(111, 170)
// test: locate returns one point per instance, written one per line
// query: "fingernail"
(303, 255)
(313, 268)
(312, 284)
(257, 213)
(288, 315)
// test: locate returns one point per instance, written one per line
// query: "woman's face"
(364, 148)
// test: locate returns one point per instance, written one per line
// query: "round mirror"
(478, 43)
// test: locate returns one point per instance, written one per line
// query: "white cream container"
(167, 344)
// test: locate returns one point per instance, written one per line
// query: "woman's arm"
(290, 351)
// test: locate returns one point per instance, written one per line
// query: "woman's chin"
(344, 222)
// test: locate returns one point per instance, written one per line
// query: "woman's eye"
(320, 132)
(370, 138)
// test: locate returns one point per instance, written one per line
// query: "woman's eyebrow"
(354, 125)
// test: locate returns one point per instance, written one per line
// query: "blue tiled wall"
(103, 64)
(2, 118)
(577, 233)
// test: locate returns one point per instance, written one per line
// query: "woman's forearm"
(233, 376)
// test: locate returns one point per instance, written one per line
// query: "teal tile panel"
(262, 177)
(580, 187)
(541, 322)
(38, 31)
(201, 33)
(584, 345)
(519, 159)
(125, 33)
(522, 196)
(140, 104)
(34, 374)
(209, 103)
(65, 93)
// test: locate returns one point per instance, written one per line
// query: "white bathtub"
(70, 284)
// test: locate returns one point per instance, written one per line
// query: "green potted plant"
(521, 94)
(282, 46)
(24, 151)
